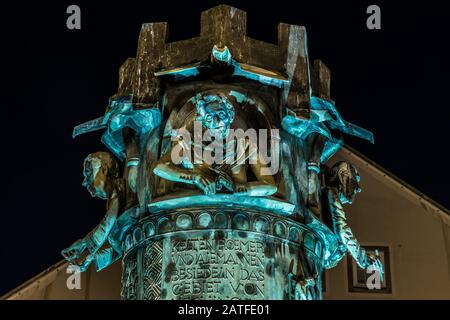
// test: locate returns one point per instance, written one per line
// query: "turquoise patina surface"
(260, 215)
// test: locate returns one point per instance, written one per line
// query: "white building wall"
(386, 213)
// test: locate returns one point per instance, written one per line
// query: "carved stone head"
(215, 112)
(344, 177)
(100, 169)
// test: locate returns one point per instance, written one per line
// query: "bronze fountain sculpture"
(224, 193)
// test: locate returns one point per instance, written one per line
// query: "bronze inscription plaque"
(200, 268)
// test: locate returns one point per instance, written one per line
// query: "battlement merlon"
(285, 65)
(226, 26)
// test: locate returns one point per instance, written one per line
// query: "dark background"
(391, 81)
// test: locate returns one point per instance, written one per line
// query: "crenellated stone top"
(225, 27)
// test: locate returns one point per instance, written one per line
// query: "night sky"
(391, 81)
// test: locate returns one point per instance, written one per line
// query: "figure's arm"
(111, 250)
(265, 184)
(94, 239)
(344, 232)
(169, 171)
(100, 233)
(132, 160)
(166, 169)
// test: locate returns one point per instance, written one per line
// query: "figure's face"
(350, 179)
(216, 116)
(94, 178)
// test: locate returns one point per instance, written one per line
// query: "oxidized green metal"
(201, 218)
(215, 252)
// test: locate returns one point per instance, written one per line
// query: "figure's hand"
(86, 262)
(82, 264)
(75, 250)
(241, 189)
(225, 180)
(205, 183)
(132, 178)
(375, 264)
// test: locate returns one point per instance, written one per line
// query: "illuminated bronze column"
(188, 230)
